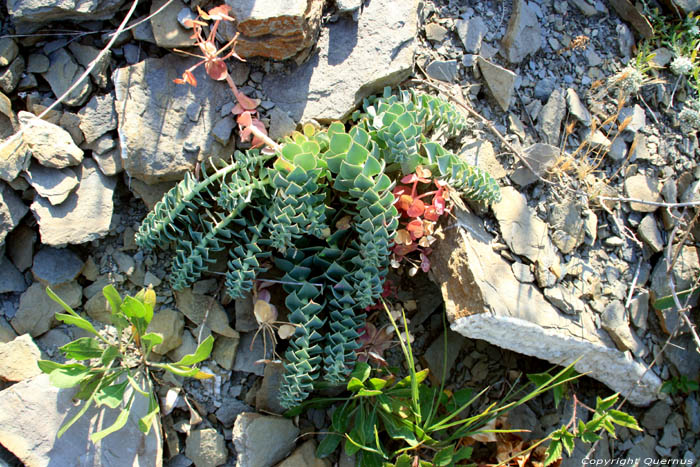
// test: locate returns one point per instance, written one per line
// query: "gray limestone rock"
(577, 108)
(98, 117)
(169, 324)
(18, 359)
(639, 310)
(442, 70)
(246, 360)
(471, 32)
(251, 435)
(32, 411)
(85, 55)
(20, 247)
(645, 188)
(167, 30)
(281, 124)
(54, 266)
(614, 320)
(655, 417)
(11, 75)
(267, 397)
(63, 72)
(618, 150)
(551, 117)
(541, 157)
(650, 234)
(159, 142)
(685, 271)
(501, 82)
(567, 222)
(524, 35)
(110, 162)
(14, 157)
(8, 51)
(522, 273)
(480, 153)
(38, 63)
(230, 409)
(11, 280)
(485, 301)
(36, 309)
(564, 300)
(12, 209)
(53, 184)
(435, 32)
(225, 350)
(637, 117)
(206, 447)
(49, 144)
(85, 216)
(42, 11)
(386, 31)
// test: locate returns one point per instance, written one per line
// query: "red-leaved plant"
(420, 210)
(214, 61)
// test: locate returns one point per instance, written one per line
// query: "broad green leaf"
(420, 377)
(109, 354)
(135, 385)
(624, 419)
(604, 404)
(119, 423)
(147, 420)
(404, 460)
(88, 386)
(355, 384)
(68, 377)
(341, 417)
(151, 339)
(111, 396)
(77, 321)
(567, 440)
(47, 366)
(112, 296)
(84, 348)
(370, 459)
(398, 430)
(133, 308)
(553, 453)
(362, 371)
(463, 453)
(443, 457)
(377, 383)
(368, 392)
(328, 445)
(202, 353)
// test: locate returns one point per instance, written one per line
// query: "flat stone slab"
(485, 301)
(331, 83)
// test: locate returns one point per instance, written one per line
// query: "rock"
(645, 188)
(195, 307)
(385, 31)
(681, 354)
(98, 308)
(655, 417)
(151, 279)
(224, 352)
(167, 31)
(544, 89)
(348, 6)
(684, 7)
(7, 334)
(188, 346)
(685, 271)
(671, 437)
(8, 51)
(614, 320)
(98, 117)
(281, 124)
(586, 7)
(222, 130)
(524, 35)
(617, 149)
(637, 118)
(639, 310)
(206, 448)
(434, 356)
(12, 209)
(442, 70)
(42, 11)
(435, 32)
(522, 273)
(18, 359)
(36, 309)
(523, 418)
(20, 247)
(53, 266)
(639, 149)
(662, 57)
(53, 184)
(577, 108)
(90, 270)
(63, 72)
(480, 153)
(71, 123)
(169, 324)
(650, 234)
(85, 55)
(484, 300)
(110, 162)
(564, 300)
(125, 263)
(11, 280)
(14, 157)
(252, 350)
(251, 435)
(11, 75)
(643, 449)
(245, 319)
(692, 413)
(471, 32)
(567, 222)
(32, 411)
(551, 116)
(230, 409)
(38, 63)
(267, 397)
(501, 82)
(85, 216)
(272, 29)
(159, 142)
(150, 194)
(305, 456)
(50, 145)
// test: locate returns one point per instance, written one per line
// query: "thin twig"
(634, 282)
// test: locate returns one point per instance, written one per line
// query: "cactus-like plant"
(287, 207)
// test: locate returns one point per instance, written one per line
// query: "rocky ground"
(547, 275)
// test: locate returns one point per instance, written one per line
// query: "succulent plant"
(287, 208)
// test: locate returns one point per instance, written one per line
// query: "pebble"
(54, 266)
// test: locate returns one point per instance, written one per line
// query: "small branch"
(649, 203)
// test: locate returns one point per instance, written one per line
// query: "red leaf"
(415, 227)
(431, 213)
(216, 69)
(416, 209)
(405, 202)
(246, 102)
(409, 178)
(439, 204)
(403, 250)
(187, 78)
(220, 13)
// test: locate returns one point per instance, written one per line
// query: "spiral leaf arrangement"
(287, 208)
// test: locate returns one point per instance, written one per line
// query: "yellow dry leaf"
(286, 331)
(264, 312)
